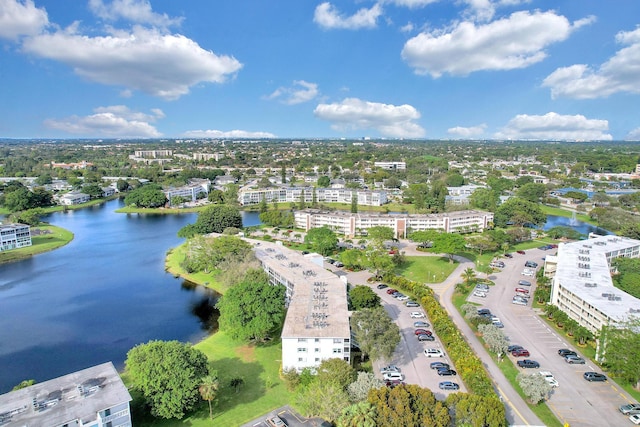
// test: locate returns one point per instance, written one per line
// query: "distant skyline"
(410, 69)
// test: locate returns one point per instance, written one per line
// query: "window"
(317, 350)
(302, 340)
(317, 340)
(302, 350)
(302, 359)
(337, 350)
(336, 341)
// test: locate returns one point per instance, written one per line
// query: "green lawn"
(55, 238)
(262, 391)
(426, 269)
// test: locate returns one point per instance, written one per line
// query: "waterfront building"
(93, 397)
(581, 283)
(190, 191)
(250, 196)
(317, 323)
(353, 224)
(13, 236)
(73, 198)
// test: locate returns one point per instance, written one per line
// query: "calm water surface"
(94, 299)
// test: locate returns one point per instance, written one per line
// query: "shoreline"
(56, 237)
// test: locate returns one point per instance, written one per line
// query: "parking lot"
(576, 401)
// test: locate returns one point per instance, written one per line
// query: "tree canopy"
(409, 406)
(168, 373)
(519, 211)
(363, 297)
(321, 240)
(147, 196)
(253, 309)
(374, 331)
(214, 219)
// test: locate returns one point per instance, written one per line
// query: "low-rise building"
(317, 323)
(93, 397)
(73, 198)
(353, 224)
(581, 283)
(190, 191)
(391, 165)
(253, 196)
(13, 236)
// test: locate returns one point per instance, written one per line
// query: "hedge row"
(469, 366)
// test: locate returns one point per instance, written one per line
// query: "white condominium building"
(391, 165)
(353, 224)
(13, 236)
(317, 323)
(582, 285)
(251, 196)
(93, 397)
(190, 191)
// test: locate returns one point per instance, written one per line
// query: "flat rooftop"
(596, 289)
(454, 214)
(80, 395)
(318, 305)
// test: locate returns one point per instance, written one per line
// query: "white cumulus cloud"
(467, 132)
(395, 121)
(634, 135)
(468, 47)
(300, 92)
(619, 74)
(412, 4)
(162, 65)
(113, 121)
(554, 126)
(21, 18)
(138, 11)
(242, 134)
(327, 16)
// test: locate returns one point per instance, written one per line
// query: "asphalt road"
(576, 401)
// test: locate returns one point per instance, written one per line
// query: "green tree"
(30, 216)
(454, 180)
(352, 259)
(214, 219)
(301, 202)
(337, 371)
(519, 212)
(374, 331)
(379, 263)
(168, 373)
(321, 240)
(499, 184)
(93, 190)
(534, 386)
(122, 185)
(324, 181)
(209, 389)
(495, 339)
(354, 203)
(361, 414)
(147, 196)
(621, 349)
(253, 309)
(263, 205)
(18, 200)
(449, 244)
(469, 275)
(408, 406)
(23, 384)
(359, 389)
(474, 410)
(532, 192)
(322, 399)
(576, 196)
(379, 234)
(363, 297)
(484, 198)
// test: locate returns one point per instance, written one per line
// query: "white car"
(480, 294)
(417, 315)
(528, 272)
(402, 298)
(390, 368)
(433, 352)
(392, 376)
(635, 419)
(519, 301)
(548, 377)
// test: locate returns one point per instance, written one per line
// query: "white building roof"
(594, 284)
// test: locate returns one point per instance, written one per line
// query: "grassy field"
(54, 238)
(261, 391)
(426, 269)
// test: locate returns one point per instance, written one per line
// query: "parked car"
(527, 363)
(422, 332)
(565, 352)
(524, 283)
(433, 352)
(479, 293)
(338, 264)
(522, 291)
(531, 264)
(549, 378)
(425, 337)
(402, 297)
(421, 324)
(519, 301)
(389, 368)
(521, 252)
(484, 311)
(411, 304)
(448, 385)
(528, 272)
(417, 315)
(514, 347)
(447, 372)
(521, 352)
(499, 325)
(382, 286)
(330, 260)
(498, 264)
(508, 255)
(574, 360)
(594, 376)
(391, 291)
(630, 409)
(439, 365)
(276, 421)
(482, 286)
(392, 376)
(635, 419)
(393, 383)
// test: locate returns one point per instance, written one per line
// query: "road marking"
(506, 399)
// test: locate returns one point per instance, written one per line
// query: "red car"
(423, 332)
(391, 290)
(521, 252)
(521, 352)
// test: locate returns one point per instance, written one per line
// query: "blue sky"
(429, 69)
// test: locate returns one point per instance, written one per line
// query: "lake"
(94, 299)
(580, 226)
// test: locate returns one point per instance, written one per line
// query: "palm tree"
(209, 389)
(362, 414)
(468, 275)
